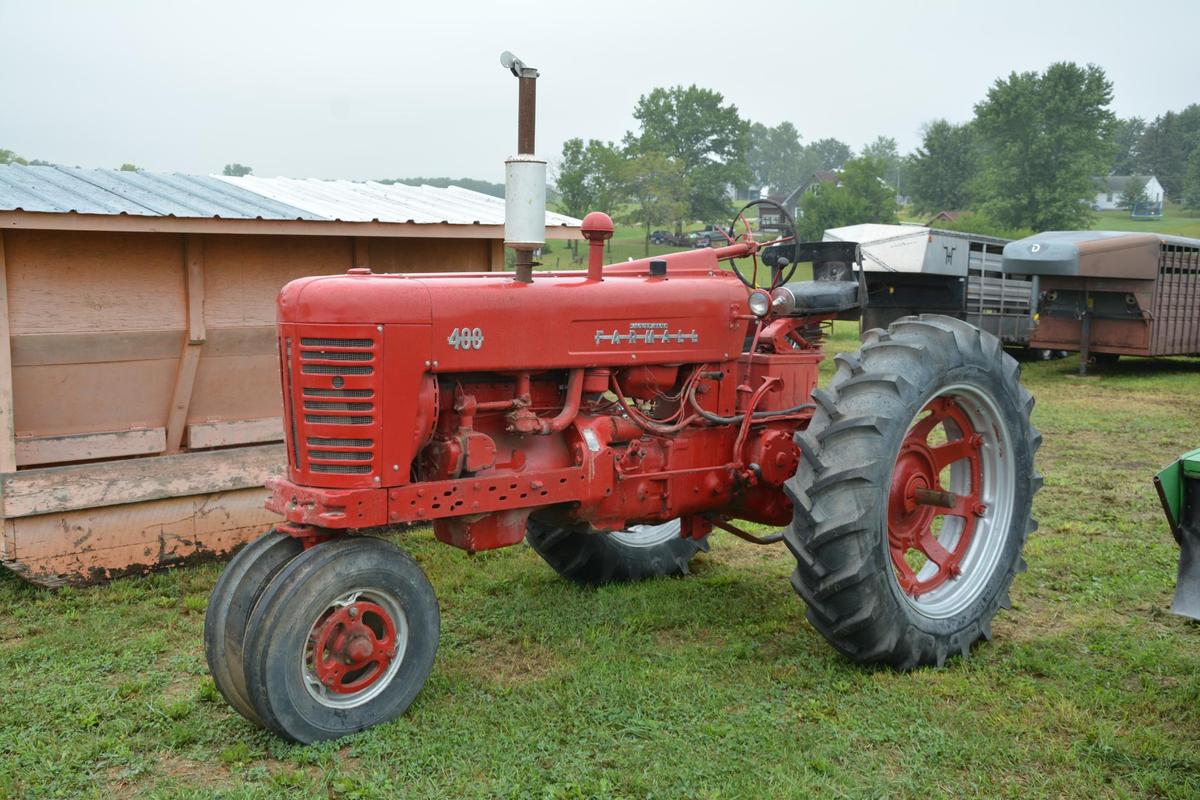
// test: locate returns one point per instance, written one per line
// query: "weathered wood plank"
(193, 248)
(189, 361)
(181, 397)
(44, 349)
(361, 252)
(8, 448)
(89, 446)
(8, 540)
(223, 433)
(98, 543)
(55, 489)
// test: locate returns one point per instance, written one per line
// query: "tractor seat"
(818, 297)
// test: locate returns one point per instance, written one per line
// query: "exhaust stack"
(524, 176)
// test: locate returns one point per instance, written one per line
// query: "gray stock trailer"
(1110, 293)
(918, 270)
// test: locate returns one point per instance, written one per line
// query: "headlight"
(760, 303)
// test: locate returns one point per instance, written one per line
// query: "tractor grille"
(331, 380)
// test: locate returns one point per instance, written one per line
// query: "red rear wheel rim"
(917, 497)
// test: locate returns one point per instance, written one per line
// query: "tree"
(588, 177)
(1167, 144)
(127, 167)
(884, 148)
(774, 156)
(1126, 136)
(9, 157)
(940, 172)
(1133, 193)
(657, 189)
(703, 134)
(859, 195)
(237, 170)
(1044, 136)
(828, 154)
(1191, 180)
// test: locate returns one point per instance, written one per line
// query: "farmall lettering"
(647, 333)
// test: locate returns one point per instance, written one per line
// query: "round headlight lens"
(760, 303)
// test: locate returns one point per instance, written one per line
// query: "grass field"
(709, 686)
(1175, 220)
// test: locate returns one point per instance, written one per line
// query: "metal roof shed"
(139, 400)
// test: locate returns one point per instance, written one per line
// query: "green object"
(1169, 484)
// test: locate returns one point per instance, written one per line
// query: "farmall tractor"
(612, 419)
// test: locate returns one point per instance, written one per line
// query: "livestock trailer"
(917, 270)
(1110, 293)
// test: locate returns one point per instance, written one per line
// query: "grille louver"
(335, 394)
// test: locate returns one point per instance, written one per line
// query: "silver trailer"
(912, 269)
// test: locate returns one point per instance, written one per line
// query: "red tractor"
(612, 418)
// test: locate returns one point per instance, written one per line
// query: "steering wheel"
(787, 234)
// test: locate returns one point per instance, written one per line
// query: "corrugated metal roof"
(147, 194)
(102, 191)
(369, 201)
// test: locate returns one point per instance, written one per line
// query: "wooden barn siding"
(131, 344)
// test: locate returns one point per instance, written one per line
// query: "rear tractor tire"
(595, 558)
(914, 493)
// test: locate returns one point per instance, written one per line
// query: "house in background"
(792, 201)
(1109, 189)
(944, 216)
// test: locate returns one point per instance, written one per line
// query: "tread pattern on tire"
(843, 572)
(229, 607)
(594, 559)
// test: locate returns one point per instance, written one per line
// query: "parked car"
(660, 237)
(708, 236)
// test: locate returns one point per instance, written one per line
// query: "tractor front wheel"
(594, 558)
(343, 638)
(233, 598)
(913, 497)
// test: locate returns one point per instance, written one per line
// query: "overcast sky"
(389, 89)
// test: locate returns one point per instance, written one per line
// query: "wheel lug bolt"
(353, 612)
(980, 509)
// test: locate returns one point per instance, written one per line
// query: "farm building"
(139, 399)
(1110, 188)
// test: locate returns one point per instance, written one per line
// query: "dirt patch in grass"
(509, 663)
(167, 767)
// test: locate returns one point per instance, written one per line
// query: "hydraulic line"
(737, 418)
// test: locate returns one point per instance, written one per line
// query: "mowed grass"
(1175, 220)
(713, 686)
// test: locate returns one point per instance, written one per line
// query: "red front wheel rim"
(354, 648)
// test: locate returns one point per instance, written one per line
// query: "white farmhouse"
(1110, 187)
